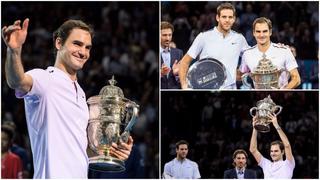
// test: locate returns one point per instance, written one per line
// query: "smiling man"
(181, 167)
(278, 167)
(55, 104)
(220, 43)
(279, 55)
(240, 171)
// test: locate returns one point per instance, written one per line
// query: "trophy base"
(269, 85)
(262, 128)
(106, 163)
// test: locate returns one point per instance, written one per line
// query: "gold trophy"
(264, 107)
(110, 114)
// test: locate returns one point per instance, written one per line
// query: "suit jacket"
(170, 82)
(232, 174)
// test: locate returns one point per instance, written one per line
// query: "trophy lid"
(267, 100)
(265, 66)
(111, 90)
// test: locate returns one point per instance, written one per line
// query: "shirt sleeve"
(264, 162)
(40, 82)
(167, 174)
(244, 68)
(291, 62)
(196, 46)
(291, 163)
(244, 45)
(196, 173)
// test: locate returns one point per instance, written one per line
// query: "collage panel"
(226, 132)
(239, 45)
(103, 103)
(92, 82)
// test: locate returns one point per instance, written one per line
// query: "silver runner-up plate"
(206, 73)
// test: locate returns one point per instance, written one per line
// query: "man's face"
(276, 153)
(226, 19)
(76, 50)
(5, 142)
(240, 161)
(182, 151)
(166, 37)
(262, 33)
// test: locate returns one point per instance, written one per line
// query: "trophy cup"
(206, 73)
(264, 76)
(264, 107)
(109, 113)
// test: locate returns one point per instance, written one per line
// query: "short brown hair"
(166, 25)
(181, 142)
(262, 20)
(281, 146)
(226, 6)
(65, 29)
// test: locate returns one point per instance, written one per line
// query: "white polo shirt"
(57, 117)
(186, 169)
(277, 170)
(280, 56)
(212, 44)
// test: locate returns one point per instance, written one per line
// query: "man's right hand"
(254, 121)
(14, 35)
(185, 86)
(123, 150)
(175, 67)
(164, 70)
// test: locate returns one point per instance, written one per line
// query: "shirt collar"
(243, 169)
(184, 160)
(215, 29)
(165, 49)
(60, 73)
(278, 162)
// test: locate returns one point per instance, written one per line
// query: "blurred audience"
(124, 45)
(11, 164)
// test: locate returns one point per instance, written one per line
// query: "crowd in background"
(293, 23)
(216, 124)
(124, 45)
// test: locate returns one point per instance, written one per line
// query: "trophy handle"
(244, 78)
(277, 108)
(251, 111)
(126, 133)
